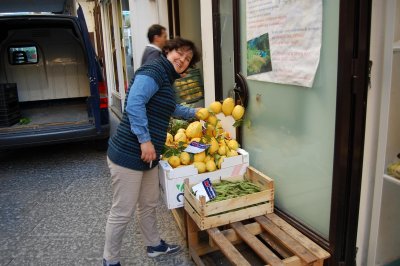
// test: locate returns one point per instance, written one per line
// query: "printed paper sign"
(283, 40)
(196, 147)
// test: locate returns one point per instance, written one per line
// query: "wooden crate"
(213, 214)
(270, 237)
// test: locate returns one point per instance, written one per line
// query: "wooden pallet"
(285, 244)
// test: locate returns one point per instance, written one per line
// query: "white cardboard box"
(171, 179)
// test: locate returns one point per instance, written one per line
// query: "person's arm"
(141, 92)
(184, 112)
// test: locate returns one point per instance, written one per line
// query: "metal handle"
(241, 89)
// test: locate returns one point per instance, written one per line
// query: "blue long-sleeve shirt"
(141, 92)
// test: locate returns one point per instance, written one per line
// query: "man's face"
(161, 40)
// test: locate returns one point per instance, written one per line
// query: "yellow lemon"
(195, 139)
(222, 150)
(194, 130)
(232, 153)
(214, 146)
(227, 106)
(215, 107)
(199, 157)
(238, 112)
(201, 166)
(210, 166)
(174, 161)
(185, 158)
(208, 158)
(169, 140)
(181, 130)
(212, 120)
(233, 144)
(210, 131)
(180, 136)
(202, 114)
(220, 161)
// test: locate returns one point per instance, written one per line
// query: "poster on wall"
(283, 40)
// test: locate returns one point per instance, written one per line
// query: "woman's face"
(180, 58)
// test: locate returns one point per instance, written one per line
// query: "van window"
(19, 55)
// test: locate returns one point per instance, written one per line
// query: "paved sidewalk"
(54, 203)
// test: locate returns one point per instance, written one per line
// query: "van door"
(94, 71)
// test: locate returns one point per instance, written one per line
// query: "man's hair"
(153, 31)
(178, 42)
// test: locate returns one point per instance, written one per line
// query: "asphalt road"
(54, 202)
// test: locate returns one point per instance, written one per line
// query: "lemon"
(208, 158)
(238, 112)
(232, 153)
(210, 131)
(233, 144)
(210, 166)
(215, 107)
(174, 161)
(212, 120)
(199, 157)
(195, 139)
(185, 158)
(202, 114)
(169, 140)
(180, 136)
(194, 130)
(227, 106)
(201, 166)
(181, 130)
(221, 159)
(214, 146)
(222, 150)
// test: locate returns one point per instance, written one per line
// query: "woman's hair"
(177, 43)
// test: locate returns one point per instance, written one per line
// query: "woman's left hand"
(148, 152)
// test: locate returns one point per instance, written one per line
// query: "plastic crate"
(9, 118)
(190, 88)
(8, 93)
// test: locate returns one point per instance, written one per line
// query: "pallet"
(213, 214)
(285, 245)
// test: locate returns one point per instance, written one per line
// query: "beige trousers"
(131, 188)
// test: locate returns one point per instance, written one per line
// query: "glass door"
(292, 132)
(309, 139)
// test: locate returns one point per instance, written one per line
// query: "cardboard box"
(172, 179)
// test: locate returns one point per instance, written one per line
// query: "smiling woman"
(135, 149)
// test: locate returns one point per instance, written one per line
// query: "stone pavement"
(54, 203)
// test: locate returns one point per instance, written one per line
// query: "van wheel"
(101, 144)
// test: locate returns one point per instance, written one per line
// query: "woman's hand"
(148, 152)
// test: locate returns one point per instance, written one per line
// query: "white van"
(49, 62)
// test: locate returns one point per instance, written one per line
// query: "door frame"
(352, 92)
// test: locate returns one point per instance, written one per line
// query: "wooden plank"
(235, 216)
(230, 234)
(213, 208)
(178, 215)
(292, 261)
(284, 252)
(227, 248)
(195, 257)
(293, 232)
(258, 247)
(259, 178)
(286, 240)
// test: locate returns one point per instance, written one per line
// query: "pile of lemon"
(207, 130)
